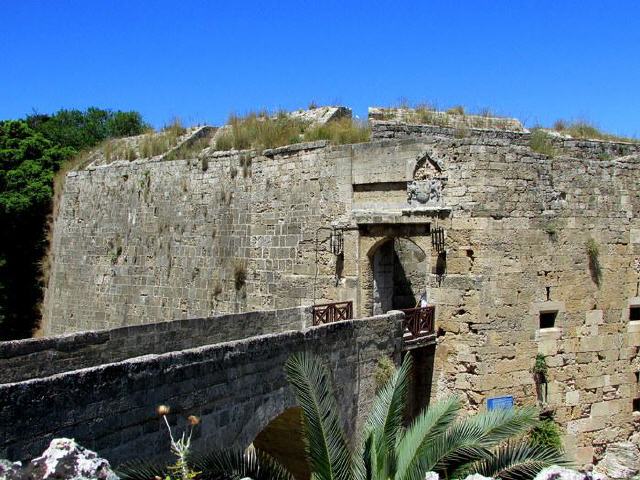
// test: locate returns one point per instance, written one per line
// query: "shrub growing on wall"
(547, 434)
(593, 252)
(383, 372)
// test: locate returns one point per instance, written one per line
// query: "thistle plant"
(180, 447)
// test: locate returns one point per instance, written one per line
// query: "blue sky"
(537, 60)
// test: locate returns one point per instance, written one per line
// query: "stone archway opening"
(283, 439)
(399, 269)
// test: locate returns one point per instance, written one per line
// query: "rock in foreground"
(64, 459)
(621, 460)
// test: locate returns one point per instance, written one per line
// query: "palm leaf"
(470, 439)
(496, 426)
(515, 461)
(450, 450)
(325, 442)
(235, 465)
(414, 446)
(386, 417)
(369, 464)
(141, 470)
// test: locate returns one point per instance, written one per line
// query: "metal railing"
(419, 322)
(332, 312)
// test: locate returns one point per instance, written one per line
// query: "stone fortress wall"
(235, 231)
(236, 387)
(149, 241)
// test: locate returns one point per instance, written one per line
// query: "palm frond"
(496, 426)
(413, 448)
(515, 461)
(235, 465)
(449, 451)
(141, 470)
(469, 439)
(325, 442)
(369, 464)
(386, 417)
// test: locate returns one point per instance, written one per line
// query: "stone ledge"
(294, 148)
(404, 215)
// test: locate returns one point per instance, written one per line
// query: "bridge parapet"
(236, 388)
(40, 357)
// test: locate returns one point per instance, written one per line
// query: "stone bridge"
(102, 388)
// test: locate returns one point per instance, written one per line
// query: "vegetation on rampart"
(583, 129)
(541, 142)
(429, 114)
(262, 130)
(32, 151)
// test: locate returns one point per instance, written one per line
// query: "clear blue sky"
(200, 60)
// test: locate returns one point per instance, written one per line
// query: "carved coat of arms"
(428, 191)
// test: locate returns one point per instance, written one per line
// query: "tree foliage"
(32, 150)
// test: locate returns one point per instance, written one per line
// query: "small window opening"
(634, 312)
(548, 319)
(637, 377)
(636, 404)
(548, 293)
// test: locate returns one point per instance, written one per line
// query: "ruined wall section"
(517, 246)
(148, 241)
(578, 148)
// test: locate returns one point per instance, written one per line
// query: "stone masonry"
(150, 240)
(236, 387)
(41, 357)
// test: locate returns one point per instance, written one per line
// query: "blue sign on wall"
(500, 402)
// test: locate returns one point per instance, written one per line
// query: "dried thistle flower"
(193, 420)
(163, 410)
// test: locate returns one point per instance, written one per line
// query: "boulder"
(431, 476)
(561, 473)
(477, 476)
(620, 461)
(9, 470)
(63, 459)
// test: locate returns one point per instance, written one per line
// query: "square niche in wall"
(548, 319)
(634, 313)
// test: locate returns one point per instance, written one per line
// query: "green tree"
(31, 152)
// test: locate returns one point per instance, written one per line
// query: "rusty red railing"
(332, 312)
(419, 322)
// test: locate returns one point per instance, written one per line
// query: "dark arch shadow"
(399, 268)
(282, 438)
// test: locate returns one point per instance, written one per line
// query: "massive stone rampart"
(149, 241)
(236, 388)
(41, 357)
(146, 241)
